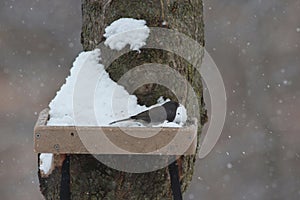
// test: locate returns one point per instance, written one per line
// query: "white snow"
(126, 31)
(46, 162)
(181, 115)
(112, 101)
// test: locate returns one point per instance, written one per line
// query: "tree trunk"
(90, 179)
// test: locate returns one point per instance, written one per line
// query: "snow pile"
(61, 107)
(126, 31)
(111, 101)
(46, 163)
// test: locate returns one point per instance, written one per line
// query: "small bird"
(155, 115)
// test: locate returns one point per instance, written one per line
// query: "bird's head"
(171, 108)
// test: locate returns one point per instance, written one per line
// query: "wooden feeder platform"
(113, 140)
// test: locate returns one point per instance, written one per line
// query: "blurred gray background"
(254, 43)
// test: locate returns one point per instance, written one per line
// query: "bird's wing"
(154, 115)
(142, 116)
(158, 114)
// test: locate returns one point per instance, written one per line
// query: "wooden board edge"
(42, 118)
(41, 126)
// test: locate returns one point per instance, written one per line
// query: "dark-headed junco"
(155, 115)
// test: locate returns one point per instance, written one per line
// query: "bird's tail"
(121, 120)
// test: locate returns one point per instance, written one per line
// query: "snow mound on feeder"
(107, 102)
(91, 98)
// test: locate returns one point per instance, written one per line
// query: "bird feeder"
(74, 139)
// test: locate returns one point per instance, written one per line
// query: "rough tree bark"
(90, 179)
